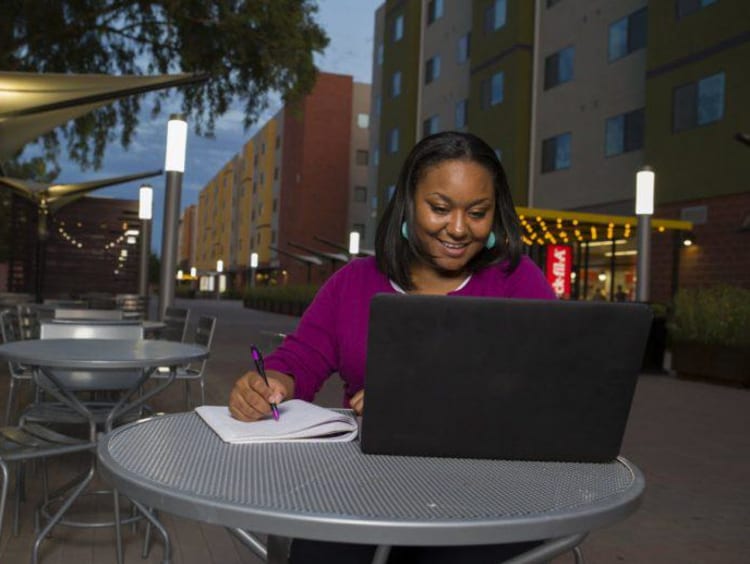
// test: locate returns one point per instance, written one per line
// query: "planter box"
(712, 362)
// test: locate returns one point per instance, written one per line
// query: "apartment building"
(576, 96)
(295, 188)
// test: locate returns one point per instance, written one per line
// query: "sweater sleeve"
(310, 354)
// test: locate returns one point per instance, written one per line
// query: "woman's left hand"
(357, 403)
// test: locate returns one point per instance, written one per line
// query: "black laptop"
(501, 378)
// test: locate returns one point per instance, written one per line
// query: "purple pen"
(258, 359)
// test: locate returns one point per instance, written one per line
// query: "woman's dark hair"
(395, 254)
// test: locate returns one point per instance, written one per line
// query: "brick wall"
(315, 173)
(720, 254)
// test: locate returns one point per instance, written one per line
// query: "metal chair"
(204, 336)
(18, 373)
(176, 320)
(32, 442)
(133, 306)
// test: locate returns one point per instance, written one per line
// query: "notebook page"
(298, 420)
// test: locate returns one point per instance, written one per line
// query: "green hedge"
(290, 300)
(717, 315)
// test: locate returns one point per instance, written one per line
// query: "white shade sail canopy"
(32, 104)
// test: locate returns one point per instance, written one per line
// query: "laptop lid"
(500, 378)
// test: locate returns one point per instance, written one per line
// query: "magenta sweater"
(332, 334)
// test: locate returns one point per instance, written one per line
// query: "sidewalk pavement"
(690, 439)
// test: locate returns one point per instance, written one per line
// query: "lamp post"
(354, 243)
(219, 270)
(253, 268)
(174, 165)
(644, 209)
(145, 213)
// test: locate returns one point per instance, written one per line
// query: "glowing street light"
(354, 243)
(174, 164)
(645, 181)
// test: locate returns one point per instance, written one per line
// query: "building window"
(363, 121)
(624, 133)
(275, 204)
(494, 16)
(278, 141)
(263, 149)
(462, 113)
(361, 157)
(398, 28)
(376, 157)
(396, 84)
(380, 54)
(434, 10)
(687, 7)
(432, 69)
(556, 153)
(393, 140)
(558, 67)
(378, 104)
(430, 125)
(492, 90)
(273, 237)
(464, 46)
(360, 193)
(698, 103)
(628, 34)
(276, 173)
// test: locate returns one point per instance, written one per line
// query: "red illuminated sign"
(559, 265)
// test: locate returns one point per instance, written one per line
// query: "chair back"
(51, 330)
(204, 335)
(28, 322)
(133, 306)
(93, 380)
(204, 331)
(83, 314)
(176, 322)
(9, 326)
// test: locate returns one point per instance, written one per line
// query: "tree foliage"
(249, 48)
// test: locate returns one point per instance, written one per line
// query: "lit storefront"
(591, 256)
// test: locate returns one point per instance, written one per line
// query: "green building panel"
(505, 125)
(400, 111)
(705, 159)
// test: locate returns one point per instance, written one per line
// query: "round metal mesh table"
(331, 491)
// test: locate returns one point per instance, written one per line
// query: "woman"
(450, 229)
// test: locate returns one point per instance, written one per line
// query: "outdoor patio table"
(333, 492)
(109, 364)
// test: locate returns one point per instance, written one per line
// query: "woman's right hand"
(251, 399)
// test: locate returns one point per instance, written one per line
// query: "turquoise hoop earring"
(404, 231)
(491, 240)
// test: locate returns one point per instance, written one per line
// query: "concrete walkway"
(690, 439)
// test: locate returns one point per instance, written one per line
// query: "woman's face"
(454, 206)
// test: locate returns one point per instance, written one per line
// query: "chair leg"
(20, 488)
(10, 401)
(4, 492)
(188, 399)
(118, 527)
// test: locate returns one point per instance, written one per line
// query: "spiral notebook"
(298, 421)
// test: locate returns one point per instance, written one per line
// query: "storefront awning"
(561, 227)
